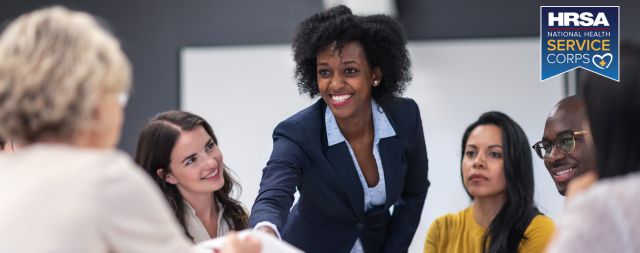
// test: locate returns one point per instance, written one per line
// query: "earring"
(375, 83)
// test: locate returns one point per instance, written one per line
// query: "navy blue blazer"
(329, 215)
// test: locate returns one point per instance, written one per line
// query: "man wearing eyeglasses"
(563, 148)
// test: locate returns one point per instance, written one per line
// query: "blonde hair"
(54, 65)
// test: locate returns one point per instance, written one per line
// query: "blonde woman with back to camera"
(62, 80)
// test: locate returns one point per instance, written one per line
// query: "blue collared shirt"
(376, 195)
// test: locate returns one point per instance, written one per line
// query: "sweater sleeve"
(431, 243)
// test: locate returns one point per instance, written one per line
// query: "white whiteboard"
(245, 91)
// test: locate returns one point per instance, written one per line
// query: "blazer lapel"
(341, 161)
(392, 155)
(394, 162)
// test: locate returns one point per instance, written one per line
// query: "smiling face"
(483, 163)
(563, 167)
(345, 79)
(196, 164)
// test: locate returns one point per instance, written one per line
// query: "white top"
(57, 198)
(196, 228)
(606, 218)
(376, 195)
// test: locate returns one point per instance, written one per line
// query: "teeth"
(340, 98)
(563, 172)
(213, 174)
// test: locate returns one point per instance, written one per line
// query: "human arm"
(431, 242)
(537, 235)
(279, 180)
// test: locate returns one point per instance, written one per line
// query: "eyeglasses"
(565, 142)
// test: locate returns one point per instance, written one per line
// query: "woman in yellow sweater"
(497, 173)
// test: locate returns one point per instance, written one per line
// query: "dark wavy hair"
(381, 37)
(614, 115)
(156, 142)
(507, 229)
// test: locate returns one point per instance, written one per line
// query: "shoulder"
(538, 234)
(80, 165)
(450, 221)
(443, 229)
(401, 107)
(611, 202)
(610, 206)
(121, 169)
(609, 197)
(404, 115)
(120, 180)
(305, 127)
(82, 171)
(540, 224)
(621, 189)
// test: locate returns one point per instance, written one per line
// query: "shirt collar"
(193, 211)
(381, 126)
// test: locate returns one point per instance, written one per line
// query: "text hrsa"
(577, 19)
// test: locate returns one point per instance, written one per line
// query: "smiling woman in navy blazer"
(357, 156)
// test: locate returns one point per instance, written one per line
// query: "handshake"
(246, 241)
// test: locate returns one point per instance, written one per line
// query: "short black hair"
(382, 39)
(614, 115)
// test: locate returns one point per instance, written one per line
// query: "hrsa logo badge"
(579, 37)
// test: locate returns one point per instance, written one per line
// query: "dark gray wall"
(447, 19)
(152, 32)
